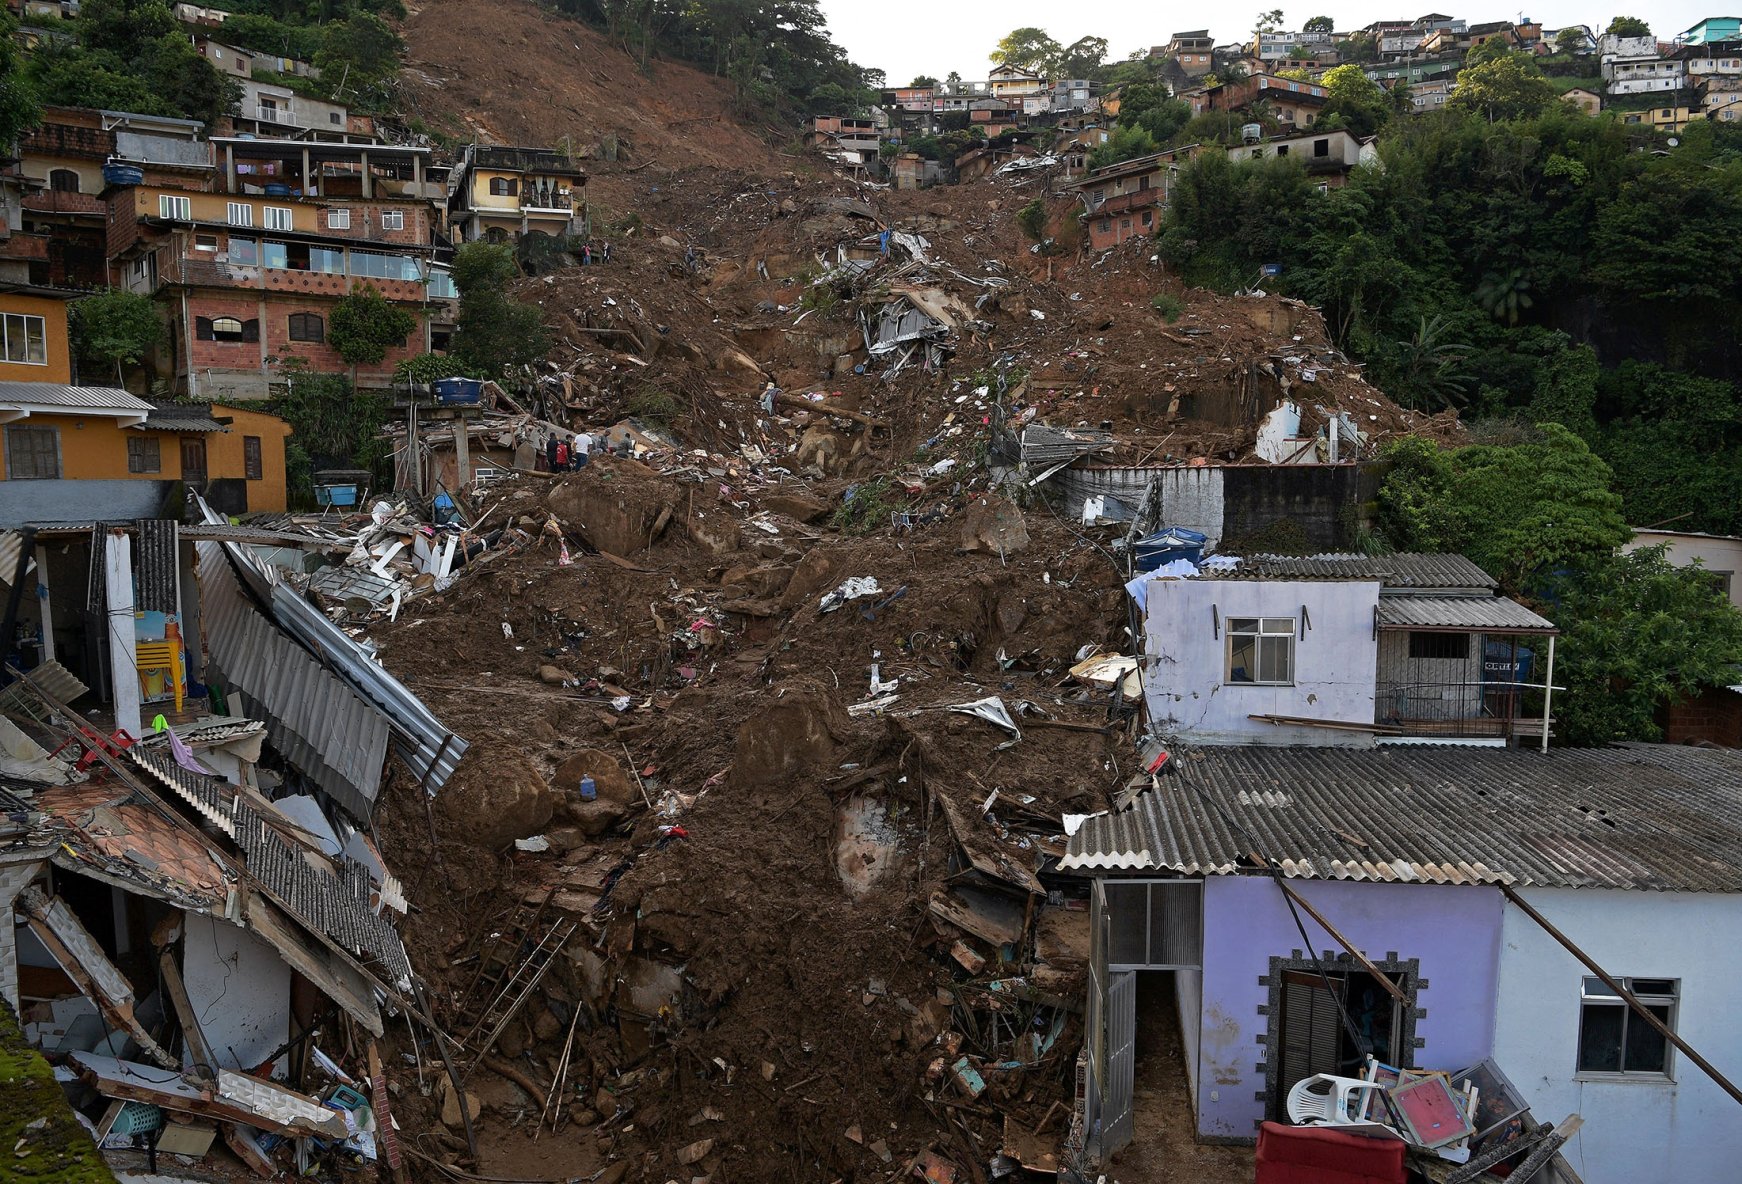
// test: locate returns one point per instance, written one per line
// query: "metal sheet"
(54, 397)
(1637, 816)
(1493, 614)
(155, 566)
(1402, 570)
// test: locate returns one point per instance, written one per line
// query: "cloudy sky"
(912, 37)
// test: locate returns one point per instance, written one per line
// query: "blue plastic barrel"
(123, 174)
(462, 391)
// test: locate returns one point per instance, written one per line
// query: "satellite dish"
(1674, 142)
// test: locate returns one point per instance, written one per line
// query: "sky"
(907, 38)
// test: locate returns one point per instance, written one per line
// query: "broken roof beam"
(238, 1098)
(98, 979)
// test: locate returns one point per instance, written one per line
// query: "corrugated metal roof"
(313, 718)
(1044, 445)
(1641, 816)
(334, 903)
(55, 395)
(181, 417)
(1493, 613)
(1407, 569)
(426, 745)
(155, 564)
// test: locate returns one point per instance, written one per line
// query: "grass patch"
(1170, 307)
(60, 1152)
(869, 505)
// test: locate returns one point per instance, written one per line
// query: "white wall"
(239, 988)
(1716, 553)
(1186, 656)
(1635, 1132)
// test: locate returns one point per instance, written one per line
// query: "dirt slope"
(506, 73)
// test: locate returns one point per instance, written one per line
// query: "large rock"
(993, 525)
(614, 505)
(714, 531)
(800, 507)
(614, 791)
(824, 448)
(495, 797)
(788, 735)
(821, 569)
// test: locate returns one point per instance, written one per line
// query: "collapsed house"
(198, 927)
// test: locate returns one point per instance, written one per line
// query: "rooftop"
(19, 400)
(182, 417)
(1635, 816)
(1406, 569)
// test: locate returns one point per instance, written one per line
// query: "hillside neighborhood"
(592, 592)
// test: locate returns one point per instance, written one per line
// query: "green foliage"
(1032, 219)
(1507, 86)
(365, 325)
(1170, 306)
(1147, 106)
(333, 426)
(1628, 26)
(1361, 103)
(1571, 40)
(1319, 24)
(868, 505)
(654, 405)
(360, 58)
(19, 109)
(1224, 219)
(1127, 143)
(1519, 511)
(1635, 633)
(1028, 47)
(115, 327)
(494, 331)
(424, 369)
(263, 34)
(1268, 22)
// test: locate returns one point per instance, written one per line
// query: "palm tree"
(1505, 294)
(1428, 364)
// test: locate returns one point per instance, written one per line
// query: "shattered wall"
(239, 988)
(1314, 506)
(1186, 653)
(1454, 931)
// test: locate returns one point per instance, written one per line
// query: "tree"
(1509, 87)
(1572, 41)
(1628, 26)
(1319, 24)
(924, 80)
(1519, 511)
(115, 327)
(19, 111)
(1637, 632)
(494, 331)
(1032, 219)
(360, 54)
(1268, 22)
(365, 325)
(333, 425)
(1082, 58)
(1428, 367)
(1360, 48)
(953, 82)
(1027, 47)
(1361, 102)
(124, 26)
(1127, 143)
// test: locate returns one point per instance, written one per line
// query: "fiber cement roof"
(1640, 816)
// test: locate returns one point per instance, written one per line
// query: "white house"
(1428, 863)
(1638, 76)
(1338, 650)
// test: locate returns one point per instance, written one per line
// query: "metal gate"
(1112, 1026)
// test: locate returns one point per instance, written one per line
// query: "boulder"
(788, 735)
(819, 570)
(826, 449)
(614, 790)
(800, 507)
(614, 504)
(495, 797)
(993, 525)
(451, 1116)
(714, 531)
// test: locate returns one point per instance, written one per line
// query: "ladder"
(518, 985)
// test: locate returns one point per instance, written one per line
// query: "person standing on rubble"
(770, 396)
(580, 451)
(550, 453)
(586, 254)
(605, 253)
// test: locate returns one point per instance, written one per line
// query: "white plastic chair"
(1332, 1101)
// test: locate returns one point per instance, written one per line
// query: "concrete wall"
(239, 988)
(1189, 993)
(1636, 1132)
(80, 501)
(1454, 931)
(1187, 651)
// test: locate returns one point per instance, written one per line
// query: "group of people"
(591, 254)
(569, 454)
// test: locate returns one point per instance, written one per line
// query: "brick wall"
(275, 333)
(1714, 716)
(223, 355)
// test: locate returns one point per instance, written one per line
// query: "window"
(1321, 148)
(63, 181)
(307, 326)
(26, 339)
(1261, 650)
(338, 219)
(333, 117)
(245, 251)
(206, 242)
(1439, 645)
(1612, 1039)
(503, 187)
(144, 454)
(441, 285)
(251, 466)
(1282, 149)
(393, 219)
(175, 209)
(226, 329)
(240, 213)
(384, 267)
(32, 453)
(278, 217)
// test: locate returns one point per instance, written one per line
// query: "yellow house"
(503, 193)
(90, 453)
(33, 335)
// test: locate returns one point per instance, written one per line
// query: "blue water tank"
(277, 189)
(123, 174)
(1167, 545)
(458, 391)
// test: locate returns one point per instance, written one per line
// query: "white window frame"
(279, 218)
(338, 219)
(23, 339)
(1272, 635)
(174, 208)
(240, 213)
(393, 219)
(1594, 994)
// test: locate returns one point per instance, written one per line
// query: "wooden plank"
(1036, 1153)
(205, 1064)
(98, 979)
(1379, 976)
(249, 1101)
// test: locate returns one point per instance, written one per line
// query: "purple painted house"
(1408, 852)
